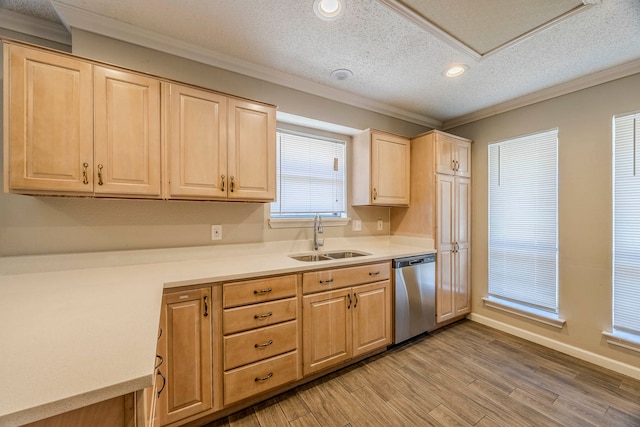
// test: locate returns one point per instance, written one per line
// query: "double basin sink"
(328, 256)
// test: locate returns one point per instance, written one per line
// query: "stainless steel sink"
(312, 257)
(345, 254)
(328, 256)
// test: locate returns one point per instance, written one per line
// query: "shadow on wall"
(38, 225)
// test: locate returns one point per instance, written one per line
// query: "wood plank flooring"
(464, 375)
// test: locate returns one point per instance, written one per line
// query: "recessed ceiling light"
(341, 74)
(455, 70)
(329, 10)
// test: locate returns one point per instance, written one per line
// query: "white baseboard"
(596, 359)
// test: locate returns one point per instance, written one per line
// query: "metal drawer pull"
(356, 296)
(164, 382)
(100, 175)
(322, 282)
(159, 361)
(206, 306)
(349, 306)
(263, 379)
(267, 344)
(232, 183)
(263, 316)
(222, 180)
(262, 291)
(377, 273)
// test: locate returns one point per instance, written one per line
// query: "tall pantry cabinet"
(441, 209)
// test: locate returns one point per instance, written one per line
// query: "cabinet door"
(186, 347)
(371, 317)
(445, 241)
(390, 169)
(462, 228)
(251, 151)
(49, 122)
(445, 153)
(463, 158)
(196, 143)
(127, 134)
(326, 329)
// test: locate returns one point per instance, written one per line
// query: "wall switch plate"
(216, 232)
(356, 225)
(380, 225)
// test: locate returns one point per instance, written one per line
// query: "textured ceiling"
(396, 63)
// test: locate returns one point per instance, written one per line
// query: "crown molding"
(75, 17)
(614, 73)
(35, 27)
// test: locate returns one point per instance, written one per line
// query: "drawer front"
(250, 380)
(260, 290)
(258, 315)
(318, 281)
(248, 347)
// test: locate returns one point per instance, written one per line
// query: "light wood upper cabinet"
(380, 169)
(126, 133)
(219, 147)
(74, 126)
(186, 380)
(453, 154)
(79, 128)
(196, 136)
(48, 112)
(251, 151)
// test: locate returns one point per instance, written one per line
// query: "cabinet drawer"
(318, 281)
(262, 376)
(258, 315)
(248, 347)
(260, 290)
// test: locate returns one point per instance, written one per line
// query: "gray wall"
(584, 120)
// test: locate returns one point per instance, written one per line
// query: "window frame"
(340, 218)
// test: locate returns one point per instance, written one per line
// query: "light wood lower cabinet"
(261, 336)
(116, 412)
(453, 285)
(344, 323)
(185, 346)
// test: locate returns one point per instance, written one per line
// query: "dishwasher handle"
(413, 261)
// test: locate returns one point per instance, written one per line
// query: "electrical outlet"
(380, 225)
(216, 232)
(356, 225)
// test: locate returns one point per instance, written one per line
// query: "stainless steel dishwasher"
(415, 296)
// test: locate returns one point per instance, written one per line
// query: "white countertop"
(78, 329)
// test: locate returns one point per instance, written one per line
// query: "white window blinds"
(310, 176)
(626, 224)
(523, 205)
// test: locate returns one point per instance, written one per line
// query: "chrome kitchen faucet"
(317, 229)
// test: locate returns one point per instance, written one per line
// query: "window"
(311, 176)
(523, 224)
(626, 224)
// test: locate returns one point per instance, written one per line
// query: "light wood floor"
(464, 375)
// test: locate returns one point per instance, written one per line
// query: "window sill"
(524, 311)
(623, 339)
(306, 222)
